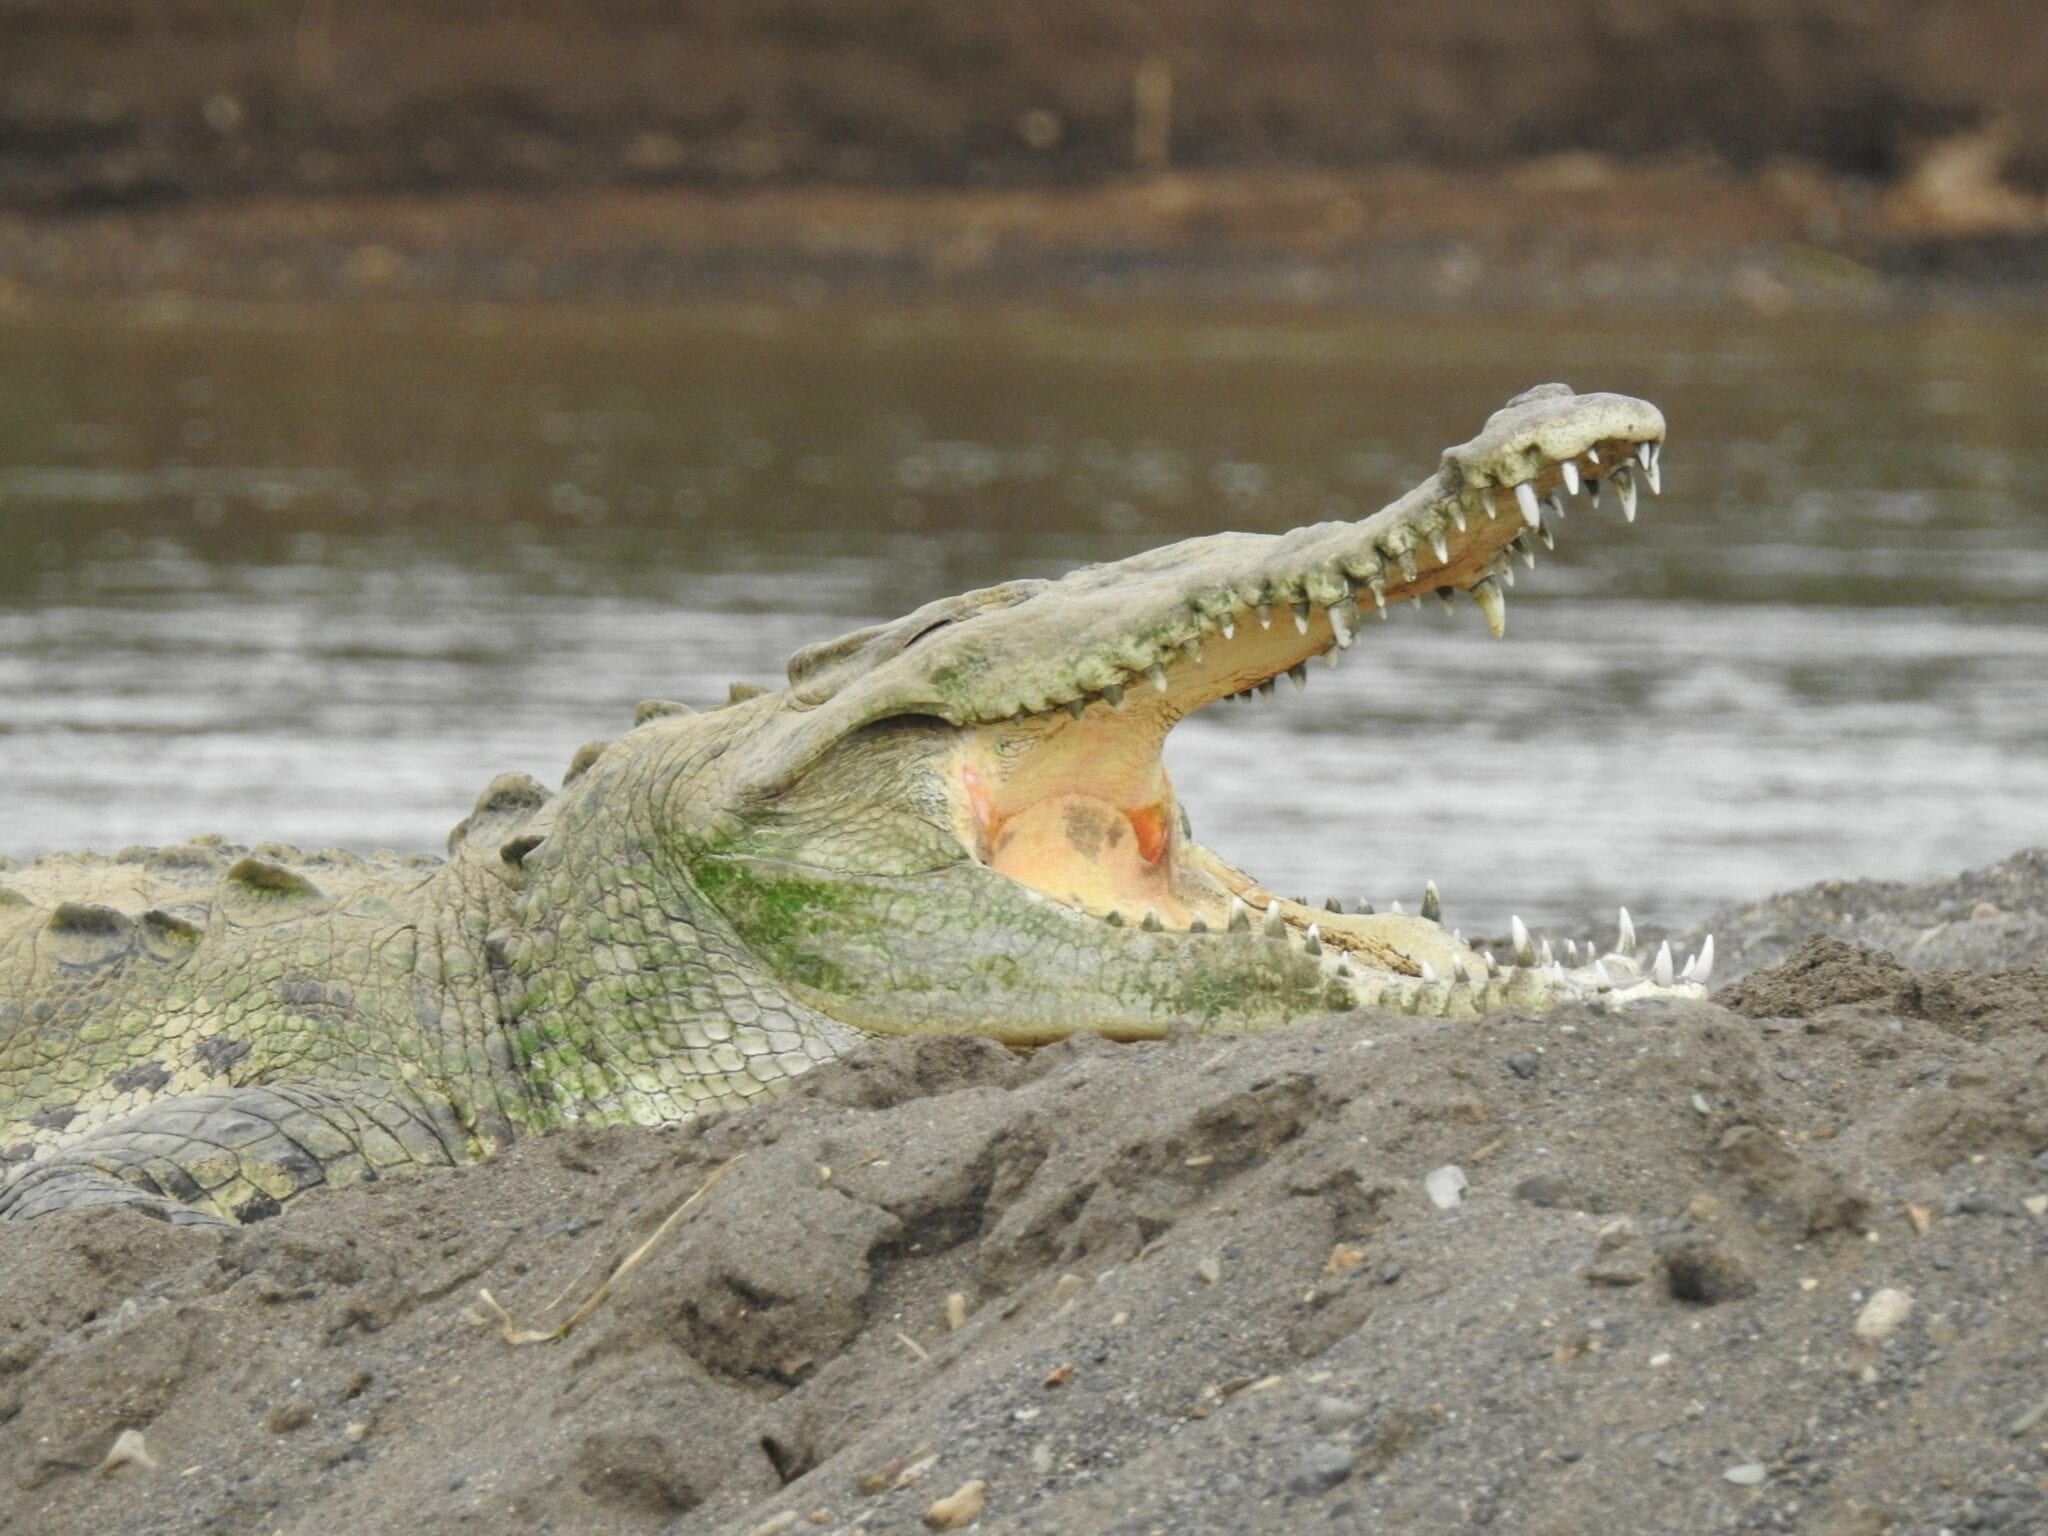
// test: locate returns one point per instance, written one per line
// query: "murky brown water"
(316, 575)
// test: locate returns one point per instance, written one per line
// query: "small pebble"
(129, 1450)
(1445, 1186)
(1389, 1273)
(775, 1525)
(1970, 1203)
(1747, 1475)
(956, 1311)
(1882, 1315)
(1209, 1270)
(1524, 1064)
(960, 1508)
(1321, 1469)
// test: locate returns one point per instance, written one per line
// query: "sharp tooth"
(1443, 595)
(1593, 454)
(1301, 618)
(1660, 970)
(1265, 689)
(1441, 547)
(1704, 967)
(1229, 625)
(1409, 569)
(1275, 925)
(1330, 655)
(1518, 934)
(1265, 613)
(1362, 907)
(1158, 675)
(1196, 924)
(1647, 453)
(1193, 646)
(1493, 605)
(1151, 924)
(1685, 970)
(1298, 675)
(1428, 971)
(1396, 908)
(1602, 977)
(1529, 556)
(1625, 483)
(1343, 966)
(1469, 972)
(1571, 476)
(1332, 904)
(1554, 972)
(1378, 587)
(1344, 622)
(1458, 516)
(1240, 915)
(1554, 504)
(1525, 498)
(1549, 539)
(1432, 904)
(1593, 490)
(1115, 694)
(1571, 951)
(1544, 955)
(1625, 940)
(1492, 508)
(1312, 941)
(1115, 919)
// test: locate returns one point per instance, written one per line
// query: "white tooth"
(1198, 924)
(1229, 626)
(1240, 915)
(1312, 941)
(1193, 646)
(1602, 977)
(1458, 516)
(1549, 539)
(1378, 587)
(1685, 970)
(1554, 504)
(1344, 622)
(1660, 971)
(1491, 605)
(1529, 556)
(1544, 956)
(1571, 950)
(1115, 919)
(1555, 971)
(1593, 487)
(1298, 675)
(1301, 611)
(1442, 548)
(1518, 934)
(1625, 483)
(1331, 654)
(1625, 940)
(1276, 925)
(1265, 689)
(1151, 924)
(1705, 966)
(1593, 454)
(1428, 971)
(1265, 613)
(1647, 454)
(1158, 675)
(1432, 903)
(1525, 498)
(1396, 908)
(1571, 476)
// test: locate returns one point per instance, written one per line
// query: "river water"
(316, 574)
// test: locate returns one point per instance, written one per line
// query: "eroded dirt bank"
(1206, 1289)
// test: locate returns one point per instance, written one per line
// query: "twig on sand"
(514, 1334)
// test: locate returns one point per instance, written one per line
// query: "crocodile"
(957, 822)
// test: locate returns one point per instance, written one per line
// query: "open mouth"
(1068, 795)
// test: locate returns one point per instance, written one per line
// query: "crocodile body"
(957, 822)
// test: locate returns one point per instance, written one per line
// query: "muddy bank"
(1770, 1263)
(108, 103)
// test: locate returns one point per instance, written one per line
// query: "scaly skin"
(955, 823)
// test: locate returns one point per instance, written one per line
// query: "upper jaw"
(1109, 633)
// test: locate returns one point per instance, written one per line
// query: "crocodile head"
(961, 820)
